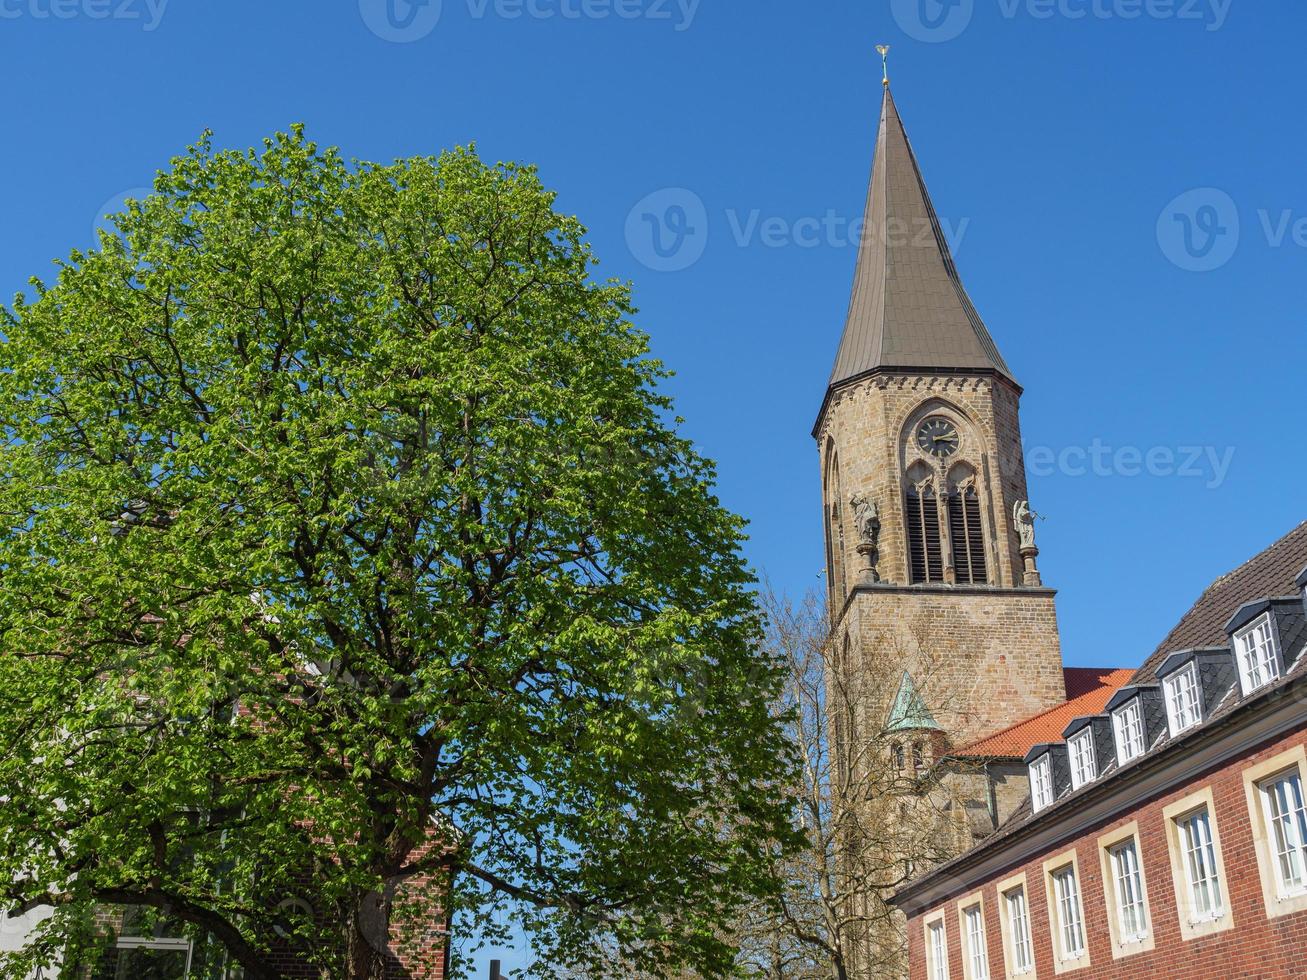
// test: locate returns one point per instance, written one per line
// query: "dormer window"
(1183, 708)
(1259, 660)
(1128, 724)
(1041, 782)
(1084, 768)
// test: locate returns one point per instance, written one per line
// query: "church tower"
(929, 535)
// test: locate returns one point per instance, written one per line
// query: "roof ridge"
(1277, 543)
(1274, 547)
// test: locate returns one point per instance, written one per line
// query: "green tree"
(344, 516)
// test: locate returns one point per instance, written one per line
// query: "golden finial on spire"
(884, 57)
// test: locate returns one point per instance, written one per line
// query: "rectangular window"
(1070, 922)
(1128, 721)
(1021, 954)
(1183, 709)
(1259, 663)
(1286, 820)
(1083, 766)
(1131, 913)
(1199, 862)
(977, 952)
(938, 951)
(1041, 782)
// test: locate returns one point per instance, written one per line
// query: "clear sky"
(1124, 180)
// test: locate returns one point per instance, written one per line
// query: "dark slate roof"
(1272, 573)
(909, 308)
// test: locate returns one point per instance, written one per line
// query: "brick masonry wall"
(982, 659)
(1256, 947)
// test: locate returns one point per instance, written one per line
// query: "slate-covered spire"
(909, 309)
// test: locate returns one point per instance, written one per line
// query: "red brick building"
(1165, 835)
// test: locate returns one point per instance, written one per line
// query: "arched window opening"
(835, 540)
(898, 756)
(925, 552)
(966, 536)
(918, 758)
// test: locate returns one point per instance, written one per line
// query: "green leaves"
(342, 521)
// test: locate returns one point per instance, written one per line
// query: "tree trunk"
(368, 937)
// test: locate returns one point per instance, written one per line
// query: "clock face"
(938, 437)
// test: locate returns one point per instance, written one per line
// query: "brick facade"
(1251, 944)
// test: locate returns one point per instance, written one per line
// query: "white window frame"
(1184, 699)
(1257, 650)
(1128, 883)
(1206, 895)
(1193, 839)
(1070, 914)
(1280, 897)
(1286, 821)
(975, 943)
(937, 967)
(1084, 763)
(1128, 726)
(1066, 912)
(1121, 887)
(1014, 917)
(1041, 782)
(159, 946)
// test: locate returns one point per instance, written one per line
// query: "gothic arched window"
(898, 756)
(835, 533)
(966, 536)
(925, 550)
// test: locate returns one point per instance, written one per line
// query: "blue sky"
(1123, 180)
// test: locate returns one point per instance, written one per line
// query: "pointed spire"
(909, 309)
(909, 711)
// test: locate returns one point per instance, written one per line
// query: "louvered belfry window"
(925, 550)
(968, 543)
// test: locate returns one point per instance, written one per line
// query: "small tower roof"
(909, 712)
(909, 309)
